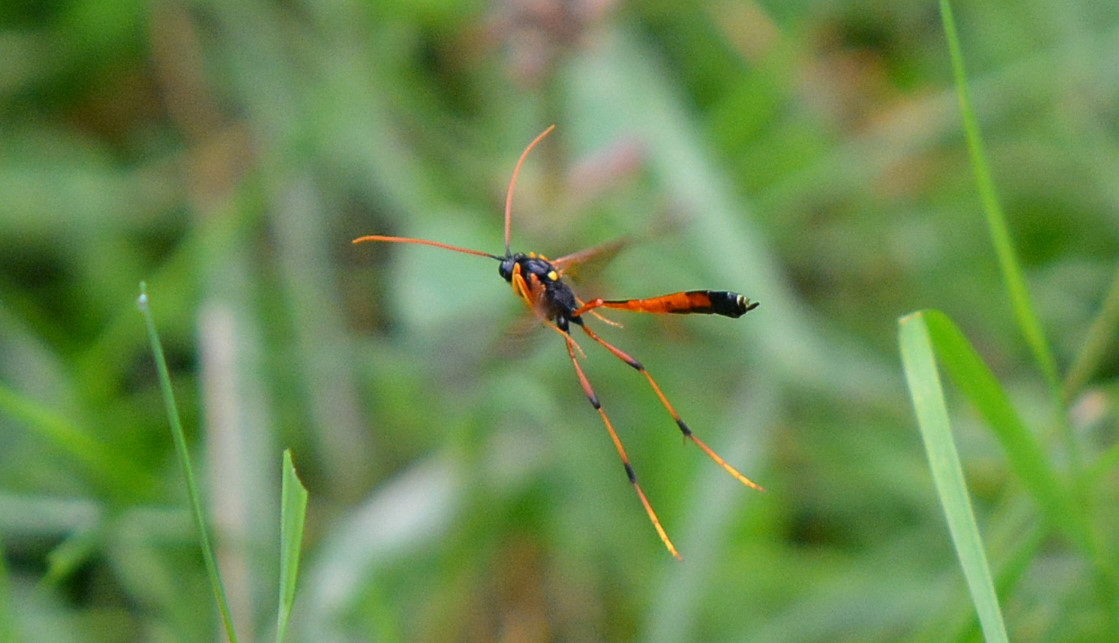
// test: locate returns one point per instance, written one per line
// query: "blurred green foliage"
(809, 155)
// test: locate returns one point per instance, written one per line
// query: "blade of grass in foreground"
(932, 416)
(293, 510)
(184, 460)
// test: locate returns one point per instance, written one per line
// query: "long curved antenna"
(425, 242)
(513, 181)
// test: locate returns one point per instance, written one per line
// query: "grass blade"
(1024, 451)
(932, 416)
(184, 460)
(1098, 343)
(1011, 269)
(293, 511)
(103, 466)
(9, 631)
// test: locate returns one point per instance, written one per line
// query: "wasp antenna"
(513, 181)
(425, 242)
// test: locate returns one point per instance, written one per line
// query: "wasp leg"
(571, 346)
(583, 307)
(675, 416)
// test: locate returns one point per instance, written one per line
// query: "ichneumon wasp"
(538, 282)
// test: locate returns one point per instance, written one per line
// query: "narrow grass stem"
(184, 460)
(1023, 308)
(1097, 344)
(996, 220)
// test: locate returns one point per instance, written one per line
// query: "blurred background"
(808, 155)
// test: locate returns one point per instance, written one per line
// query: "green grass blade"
(184, 460)
(932, 416)
(66, 559)
(9, 631)
(104, 466)
(293, 511)
(1098, 344)
(1011, 269)
(1024, 451)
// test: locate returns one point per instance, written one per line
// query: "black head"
(507, 263)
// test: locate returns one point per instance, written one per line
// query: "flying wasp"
(539, 283)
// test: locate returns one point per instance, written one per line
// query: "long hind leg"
(675, 416)
(593, 397)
